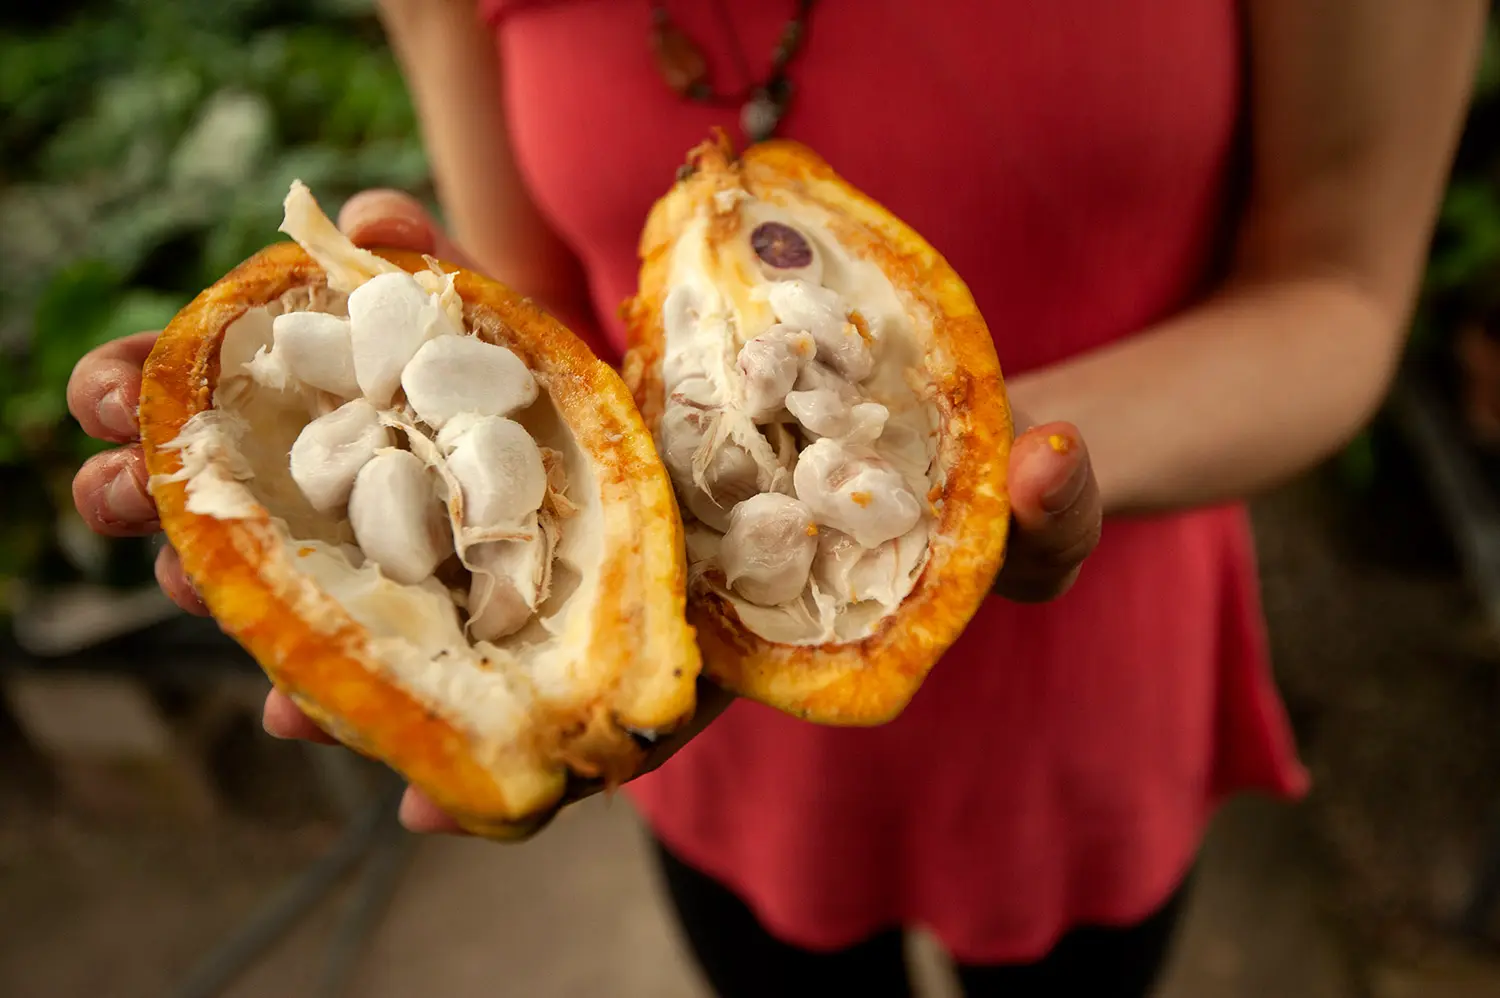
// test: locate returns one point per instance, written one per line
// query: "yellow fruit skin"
(870, 681)
(315, 653)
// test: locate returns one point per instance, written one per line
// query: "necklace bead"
(760, 116)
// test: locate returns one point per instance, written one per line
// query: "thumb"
(387, 219)
(1056, 513)
(1050, 473)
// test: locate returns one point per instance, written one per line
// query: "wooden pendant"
(678, 59)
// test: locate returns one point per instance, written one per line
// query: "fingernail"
(126, 502)
(117, 416)
(356, 215)
(1066, 492)
(387, 218)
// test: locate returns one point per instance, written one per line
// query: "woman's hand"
(110, 489)
(1056, 512)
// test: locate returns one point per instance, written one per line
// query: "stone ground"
(574, 914)
(1393, 690)
(1393, 683)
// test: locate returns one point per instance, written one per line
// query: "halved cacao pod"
(828, 402)
(434, 518)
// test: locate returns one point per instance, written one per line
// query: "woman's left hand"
(1056, 512)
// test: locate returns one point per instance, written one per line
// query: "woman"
(1196, 232)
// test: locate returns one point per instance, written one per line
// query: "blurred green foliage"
(1462, 282)
(148, 145)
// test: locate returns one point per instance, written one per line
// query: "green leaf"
(1487, 81)
(83, 307)
(77, 300)
(32, 415)
(137, 311)
(386, 163)
(1356, 463)
(136, 229)
(150, 144)
(225, 144)
(139, 114)
(250, 217)
(1467, 245)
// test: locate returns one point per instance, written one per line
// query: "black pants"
(741, 959)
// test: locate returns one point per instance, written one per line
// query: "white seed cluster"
(777, 449)
(416, 446)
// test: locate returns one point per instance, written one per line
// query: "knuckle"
(95, 472)
(1044, 565)
(110, 507)
(83, 391)
(1070, 539)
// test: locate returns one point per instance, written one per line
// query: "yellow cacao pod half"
(434, 518)
(828, 402)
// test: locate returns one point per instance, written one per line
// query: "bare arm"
(453, 73)
(1355, 109)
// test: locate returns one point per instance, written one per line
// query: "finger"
(1056, 509)
(396, 220)
(110, 494)
(105, 388)
(419, 814)
(283, 719)
(174, 582)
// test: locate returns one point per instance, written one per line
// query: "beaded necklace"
(685, 69)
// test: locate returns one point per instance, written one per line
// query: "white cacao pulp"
(859, 494)
(824, 413)
(770, 364)
(818, 310)
(711, 465)
(509, 582)
(315, 348)
(406, 440)
(331, 450)
(499, 468)
(768, 550)
(791, 428)
(460, 375)
(397, 520)
(390, 317)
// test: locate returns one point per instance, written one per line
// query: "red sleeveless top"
(1073, 161)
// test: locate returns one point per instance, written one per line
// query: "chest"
(1069, 158)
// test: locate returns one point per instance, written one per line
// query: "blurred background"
(154, 842)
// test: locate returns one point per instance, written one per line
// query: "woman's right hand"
(110, 491)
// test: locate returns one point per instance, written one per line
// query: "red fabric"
(1072, 160)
